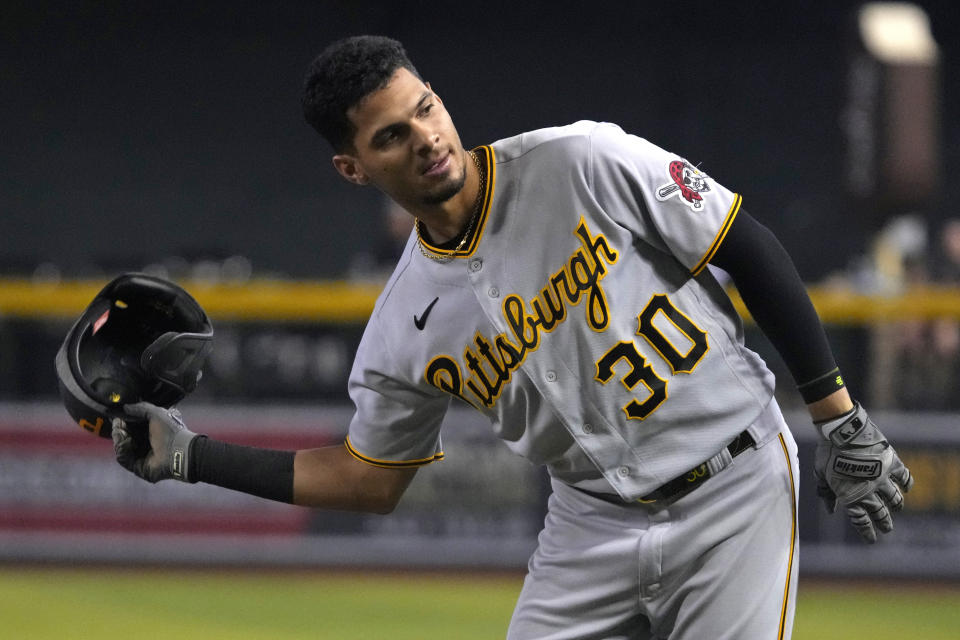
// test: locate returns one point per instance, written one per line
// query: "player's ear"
(349, 167)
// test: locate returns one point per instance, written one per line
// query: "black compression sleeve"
(265, 473)
(775, 295)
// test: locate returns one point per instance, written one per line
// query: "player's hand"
(857, 467)
(159, 453)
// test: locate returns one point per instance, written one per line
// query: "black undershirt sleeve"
(265, 473)
(775, 295)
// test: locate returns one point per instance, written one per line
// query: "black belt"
(692, 479)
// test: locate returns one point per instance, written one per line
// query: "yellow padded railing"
(259, 300)
(345, 302)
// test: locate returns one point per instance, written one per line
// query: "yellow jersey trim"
(486, 156)
(793, 541)
(718, 240)
(391, 464)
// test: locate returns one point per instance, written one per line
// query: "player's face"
(405, 144)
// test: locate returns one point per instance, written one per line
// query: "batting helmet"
(142, 338)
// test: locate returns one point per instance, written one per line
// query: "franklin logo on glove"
(857, 468)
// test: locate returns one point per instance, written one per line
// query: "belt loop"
(719, 462)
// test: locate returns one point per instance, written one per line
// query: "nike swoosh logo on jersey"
(421, 322)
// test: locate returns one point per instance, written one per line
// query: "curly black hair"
(341, 76)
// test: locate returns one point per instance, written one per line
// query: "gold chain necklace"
(473, 218)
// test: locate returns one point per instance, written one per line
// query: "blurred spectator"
(947, 265)
(897, 260)
(916, 363)
(945, 332)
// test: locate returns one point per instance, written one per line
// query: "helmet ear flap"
(141, 339)
(91, 415)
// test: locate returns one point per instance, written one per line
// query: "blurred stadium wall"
(277, 379)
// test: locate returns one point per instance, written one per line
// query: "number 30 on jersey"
(639, 370)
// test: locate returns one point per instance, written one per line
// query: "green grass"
(889, 612)
(48, 604)
(103, 604)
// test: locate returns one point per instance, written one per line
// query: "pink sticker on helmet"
(100, 321)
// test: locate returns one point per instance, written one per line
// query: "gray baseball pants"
(718, 563)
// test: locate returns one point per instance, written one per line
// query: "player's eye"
(386, 137)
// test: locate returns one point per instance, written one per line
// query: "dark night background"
(135, 130)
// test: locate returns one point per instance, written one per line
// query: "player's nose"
(425, 137)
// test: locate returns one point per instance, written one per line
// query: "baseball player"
(557, 282)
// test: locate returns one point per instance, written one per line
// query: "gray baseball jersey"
(579, 318)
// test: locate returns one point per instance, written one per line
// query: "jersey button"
(588, 428)
(493, 292)
(623, 472)
(476, 264)
(551, 376)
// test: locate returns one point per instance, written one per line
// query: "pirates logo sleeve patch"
(686, 183)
